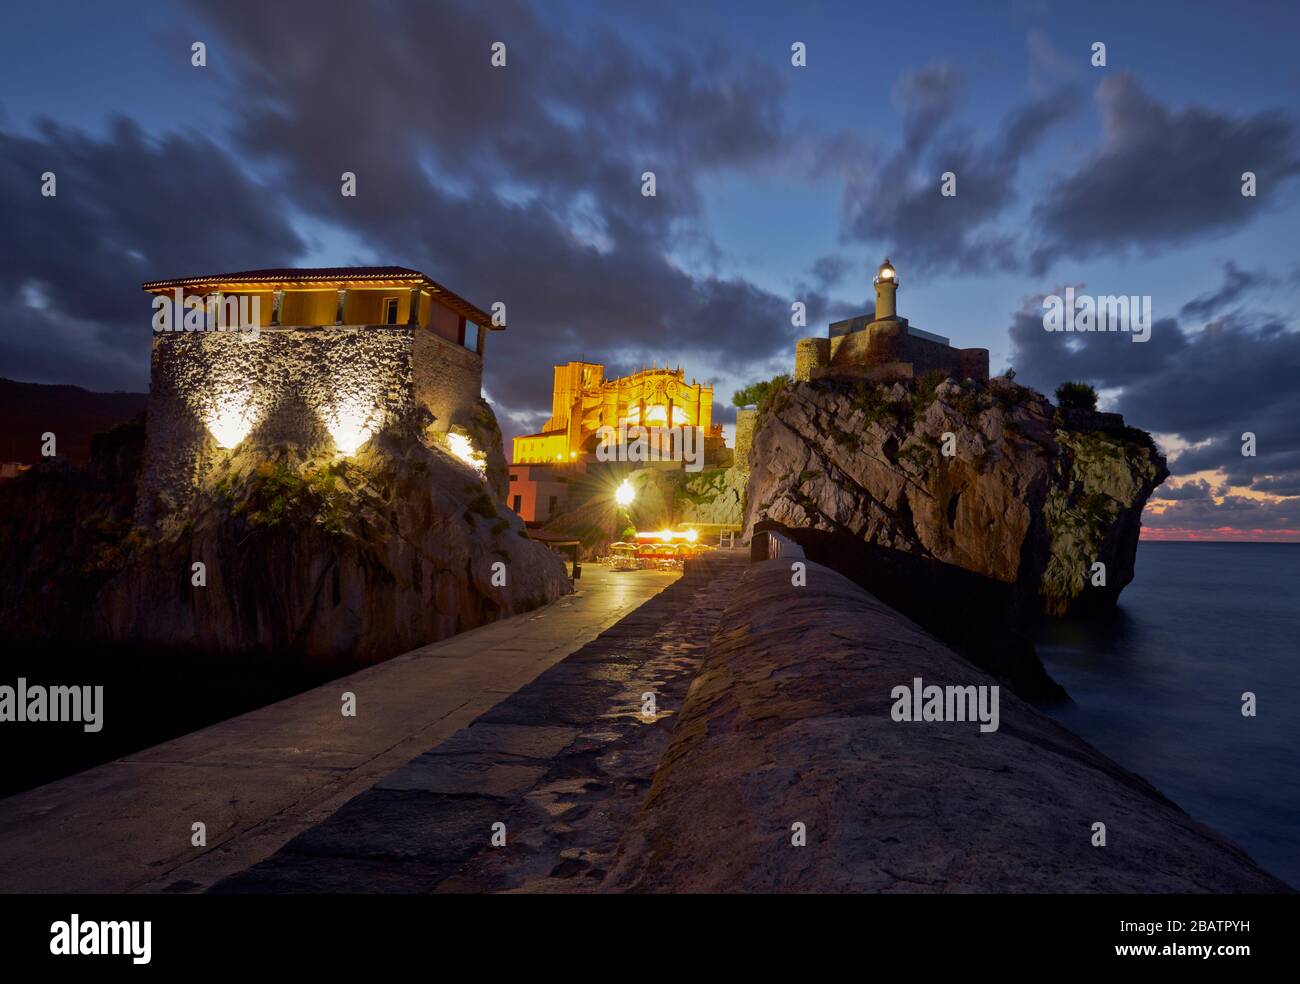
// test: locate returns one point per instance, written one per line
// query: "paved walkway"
(562, 764)
(258, 780)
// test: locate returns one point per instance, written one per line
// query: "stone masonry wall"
(810, 354)
(745, 420)
(889, 344)
(297, 386)
(448, 379)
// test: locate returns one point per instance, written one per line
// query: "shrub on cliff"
(277, 495)
(760, 393)
(1076, 396)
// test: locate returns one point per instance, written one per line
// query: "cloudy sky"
(775, 184)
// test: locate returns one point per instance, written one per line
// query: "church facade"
(584, 402)
(588, 412)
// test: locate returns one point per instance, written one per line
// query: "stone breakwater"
(788, 722)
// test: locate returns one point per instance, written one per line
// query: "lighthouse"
(882, 347)
(886, 288)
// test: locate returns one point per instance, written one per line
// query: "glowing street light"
(625, 494)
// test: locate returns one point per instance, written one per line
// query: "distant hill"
(74, 415)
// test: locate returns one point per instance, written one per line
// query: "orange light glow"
(668, 536)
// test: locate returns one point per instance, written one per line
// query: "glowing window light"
(229, 420)
(657, 416)
(350, 423)
(625, 494)
(461, 446)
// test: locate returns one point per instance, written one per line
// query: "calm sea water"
(1157, 686)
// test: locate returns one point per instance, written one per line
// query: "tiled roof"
(307, 275)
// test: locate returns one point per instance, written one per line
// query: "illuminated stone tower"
(886, 290)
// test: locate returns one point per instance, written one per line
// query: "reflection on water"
(1157, 685)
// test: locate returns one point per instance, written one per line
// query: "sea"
(1157, 685)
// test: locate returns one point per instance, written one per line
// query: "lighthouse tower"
(882, 347)
(886, 288)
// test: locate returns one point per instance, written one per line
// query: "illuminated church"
(583, 402)
(547, 465)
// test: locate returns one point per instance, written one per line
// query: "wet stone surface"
(563, 763)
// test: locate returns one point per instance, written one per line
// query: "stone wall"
(448, 380)
(313, 388)
(876, 344)
(745, 420)
(927, 356)
(810, 354)
(887, 343)
(974, 364)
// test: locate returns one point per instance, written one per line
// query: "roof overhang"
(328, 278)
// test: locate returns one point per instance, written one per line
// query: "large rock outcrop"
(331, 562)
(789, 721)
(1033, 496)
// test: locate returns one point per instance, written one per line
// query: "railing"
(771, 543)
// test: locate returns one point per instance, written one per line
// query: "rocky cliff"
(1031, 496)
(345, 562)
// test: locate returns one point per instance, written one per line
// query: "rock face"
(1033, 496)
(789, 721)
(679, 496)
(343, 562)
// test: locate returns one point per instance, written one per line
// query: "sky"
(776, 184)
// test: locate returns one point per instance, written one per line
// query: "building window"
(550, 510)
(514, 477)
(518, 503)
(390, 311)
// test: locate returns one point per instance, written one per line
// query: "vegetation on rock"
(1076, 396)
(760, 393)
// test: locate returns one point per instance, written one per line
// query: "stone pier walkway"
(563, 763)
(258, 780)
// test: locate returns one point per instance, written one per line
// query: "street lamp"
(624, 494)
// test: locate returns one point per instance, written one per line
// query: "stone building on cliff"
(318, 359)
(883, 346)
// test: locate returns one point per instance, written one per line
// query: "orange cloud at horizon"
(1222, 534)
